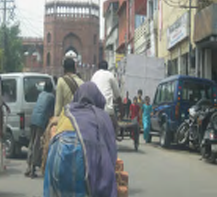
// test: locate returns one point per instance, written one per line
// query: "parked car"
(20, 91)
(173, 98)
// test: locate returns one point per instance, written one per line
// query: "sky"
(30, 13)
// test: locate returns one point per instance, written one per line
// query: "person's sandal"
(34, 176)
(27, 173)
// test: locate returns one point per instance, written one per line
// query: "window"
(48, 59)
(165, 93)
(48, 38)
(33, 86)
(9, 90)
(193, 92)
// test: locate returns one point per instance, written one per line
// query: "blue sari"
(146, 119)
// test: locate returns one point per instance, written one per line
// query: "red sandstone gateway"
(71, 25)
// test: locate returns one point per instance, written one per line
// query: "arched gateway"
(70, 26)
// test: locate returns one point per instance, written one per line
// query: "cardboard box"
(122, 178)
(119, 165)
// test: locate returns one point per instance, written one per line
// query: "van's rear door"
(192, 92)
(10, 95)
(32, 86)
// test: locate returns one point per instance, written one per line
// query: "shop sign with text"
(178, 31)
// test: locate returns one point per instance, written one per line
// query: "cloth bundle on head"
(88, 93)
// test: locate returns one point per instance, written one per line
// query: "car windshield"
(33, 86)
(194, 92)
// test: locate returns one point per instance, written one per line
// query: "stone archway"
(72, 44)
(70, 26)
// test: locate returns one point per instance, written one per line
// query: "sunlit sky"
(30, 13)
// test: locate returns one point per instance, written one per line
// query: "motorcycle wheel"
(182, 133)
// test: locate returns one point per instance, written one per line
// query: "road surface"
(154, 172)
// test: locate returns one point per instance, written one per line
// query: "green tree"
(12, 54)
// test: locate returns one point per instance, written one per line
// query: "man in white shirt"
(108, 86)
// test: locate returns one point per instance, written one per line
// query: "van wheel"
(18, 150)
(165, 136)
(9, 145)
(212, 158)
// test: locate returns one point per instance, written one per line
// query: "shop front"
(178, 47)
(205, 37)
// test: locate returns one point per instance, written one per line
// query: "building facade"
(205, 38)
(175, 37)
(145, 39)
(70, 26)
(111, 31)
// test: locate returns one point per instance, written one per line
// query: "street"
(153, 172)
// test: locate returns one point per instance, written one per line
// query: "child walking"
(134, 110)
(147, 110)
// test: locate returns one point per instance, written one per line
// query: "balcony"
(141, 37)
(205, 25)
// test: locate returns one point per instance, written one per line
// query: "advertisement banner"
(178, 31)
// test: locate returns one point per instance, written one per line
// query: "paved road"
(154, 172)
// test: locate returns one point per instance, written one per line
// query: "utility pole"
(190, 46)
(8, 6)
(5, 8)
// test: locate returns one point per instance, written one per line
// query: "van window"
(9, 90)
(33, 86)
(165, 93)
(193, 92)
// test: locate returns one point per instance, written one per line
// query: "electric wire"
(28, 25)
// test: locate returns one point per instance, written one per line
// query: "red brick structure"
(71, 25)
(33, 54)
(126, 12)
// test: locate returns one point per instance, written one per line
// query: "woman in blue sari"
(146, 117)
(82, 154)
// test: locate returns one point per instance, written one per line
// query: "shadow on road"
(10, 194)
(127, 149)
(175, 147)
(134, 191)
(10, 171)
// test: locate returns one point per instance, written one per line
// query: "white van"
(20, 91)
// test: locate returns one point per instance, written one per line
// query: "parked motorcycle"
(209, 142)
(191, 131)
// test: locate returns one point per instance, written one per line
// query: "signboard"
(178, 31)
(119, 57)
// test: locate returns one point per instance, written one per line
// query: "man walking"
(107, 84)
(67, 85)
(42, 112)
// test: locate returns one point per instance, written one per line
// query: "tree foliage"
(11, 56)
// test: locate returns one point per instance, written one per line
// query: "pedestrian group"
(73, 133)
